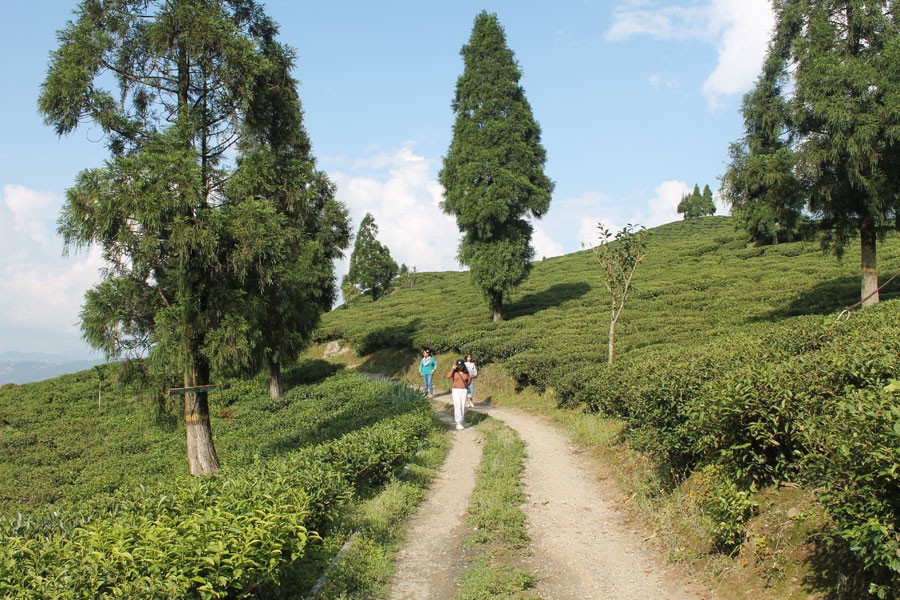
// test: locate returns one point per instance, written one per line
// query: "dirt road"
(581, 546)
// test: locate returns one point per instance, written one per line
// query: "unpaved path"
(429, 563)
(581, 546)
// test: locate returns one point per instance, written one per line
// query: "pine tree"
(371, 267)
(493, 174)
(697, 204)
(182, 249)
(761, 183)
(707, 204)
(841, 59)
(276, 164)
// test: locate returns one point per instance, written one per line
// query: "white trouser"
(459, 404)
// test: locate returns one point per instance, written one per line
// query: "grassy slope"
(698, 280)
(56, 446)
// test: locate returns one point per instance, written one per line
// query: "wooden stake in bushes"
(99, 386)
(619, 256)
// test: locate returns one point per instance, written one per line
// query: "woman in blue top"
(426, 367)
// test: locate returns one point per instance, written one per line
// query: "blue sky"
(638, 100)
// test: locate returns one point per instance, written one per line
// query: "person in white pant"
(461, 380)
(473, 373)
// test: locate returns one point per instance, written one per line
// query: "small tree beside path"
(619, 256)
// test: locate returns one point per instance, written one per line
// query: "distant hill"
(19, 367)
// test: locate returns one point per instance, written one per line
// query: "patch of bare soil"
(582, 547)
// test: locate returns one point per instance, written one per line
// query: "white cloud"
(589, 231)
(746, 27)
(739, 29)
(563, 221)
(33, 212)
(663, 207)
(663, 22)
(660, 209)
(658, 82)
(42, 292)
(404, 199)
(544, 246)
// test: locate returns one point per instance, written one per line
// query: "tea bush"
(180, 537)
(207, 539)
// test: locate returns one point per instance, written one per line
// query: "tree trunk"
(274, 380)
(868, 240)
(201, 453)
(497, 308)
(612, 339)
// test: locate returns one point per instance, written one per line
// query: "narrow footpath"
(582, 548)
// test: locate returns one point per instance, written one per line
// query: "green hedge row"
(809, 401)
(209, 538)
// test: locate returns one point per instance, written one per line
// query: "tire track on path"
(581, 547)
(430, 562)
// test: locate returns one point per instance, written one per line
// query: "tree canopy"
(195, 245)
(275, 163)
(830, 142)
(697, 204)
(762, 184)
(493, 173)
(371, 267)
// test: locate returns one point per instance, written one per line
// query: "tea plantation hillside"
(733, 374)
(96, 502)
(700, 280)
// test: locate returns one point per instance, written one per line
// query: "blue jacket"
(427, 365)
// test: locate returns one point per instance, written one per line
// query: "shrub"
(726, 506)
(854, 464)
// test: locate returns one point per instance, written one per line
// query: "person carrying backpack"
(473, 373)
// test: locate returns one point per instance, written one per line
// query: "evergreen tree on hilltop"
(707, 204)
(697, 204)
(371, 267)
(493, 174)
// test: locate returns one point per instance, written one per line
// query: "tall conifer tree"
(493, 174)
(171, 85)
(761, 183)
(276, 165)
(842, 60)
(372, 269)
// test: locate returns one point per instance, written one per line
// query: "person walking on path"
(460, 377)
(426, 367)
(473, 373)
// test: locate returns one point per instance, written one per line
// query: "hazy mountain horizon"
(26, 367)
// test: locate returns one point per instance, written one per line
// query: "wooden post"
(200, 388)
